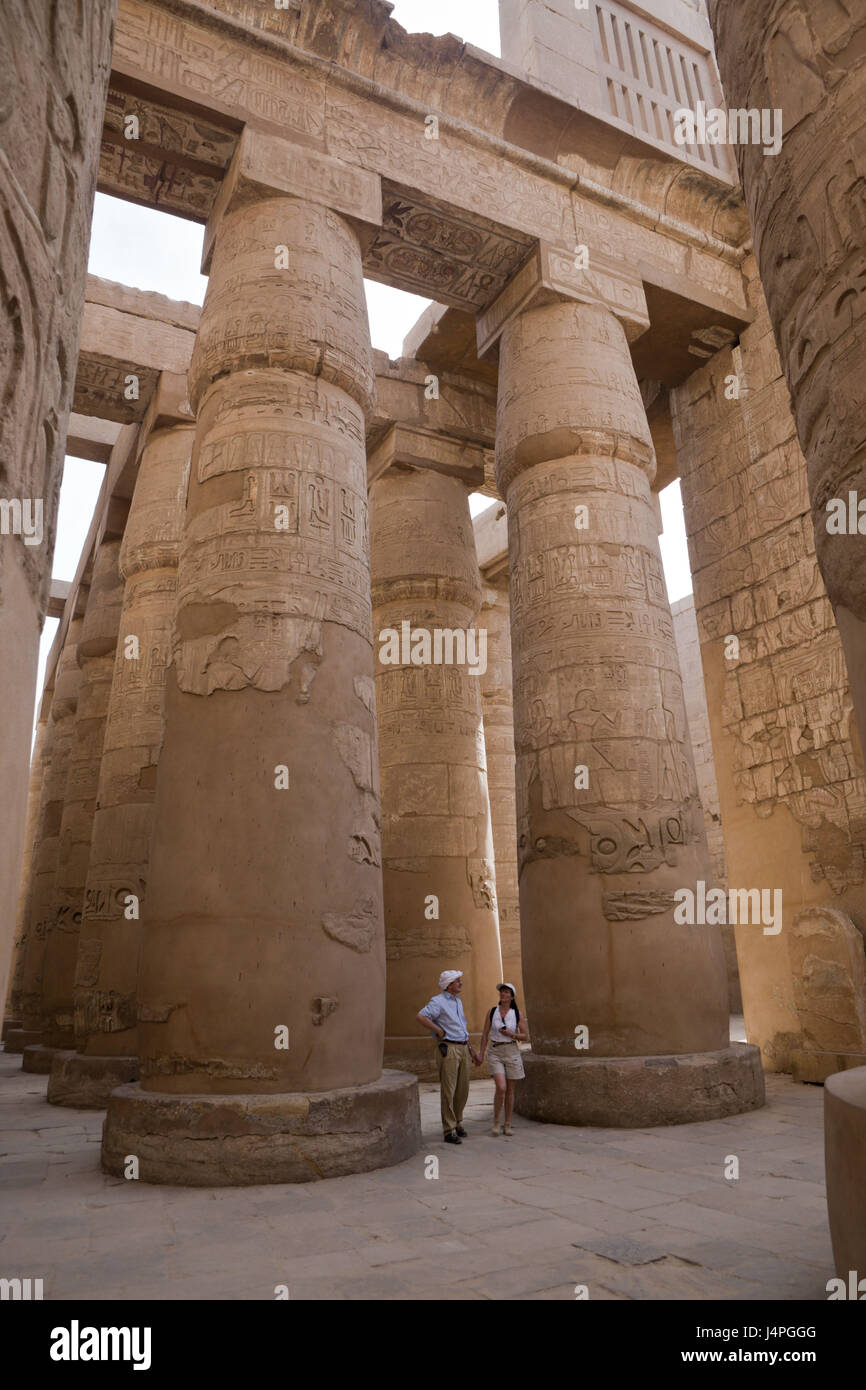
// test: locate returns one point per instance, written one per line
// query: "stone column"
(96, 649)
(788, 758)
(609, 825)
(808, 215)
(12, 1020)
(58, 743)
(261, 989)
(498, 709)
(109, 945)
(54, 71)
(437, 844)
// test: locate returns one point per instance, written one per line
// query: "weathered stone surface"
(498, 710)
(615, 59)
(806, 210)
(19, 1038)
(270, 721)
(53, 78)
(510, 164)
(694, 690)
(638, 1092)
(788, 760)
(845, 1157)
(58, 745)
(95, 654)
(273, 626)
(597, 687)
(25, 892)
(114, 901)
(437, 845)
(239, 1140)
(829, 967)
(85, 1083)
(38, 1058)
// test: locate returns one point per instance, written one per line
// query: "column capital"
(553, 273)
(266, 166)
(420, 448)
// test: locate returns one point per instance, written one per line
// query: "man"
(445, 1019)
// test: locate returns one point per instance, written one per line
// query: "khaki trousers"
(453, 1083)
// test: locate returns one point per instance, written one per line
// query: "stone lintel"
(143, 304)
(88, 437)
(491, 541)
(118, 343)
(551, 273)
(411, 393)
(118, 483)
(264, 164)
(57, 596)
(419, 448)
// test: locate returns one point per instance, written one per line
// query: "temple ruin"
(311, 733)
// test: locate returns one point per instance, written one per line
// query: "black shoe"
(461, 1132)
(451, 1138)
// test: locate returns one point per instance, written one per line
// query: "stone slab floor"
(642, 1214)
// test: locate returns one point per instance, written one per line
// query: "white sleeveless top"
(499, 1023)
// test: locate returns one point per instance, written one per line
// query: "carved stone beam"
(419, 448)
(554, 273)
(266, 164)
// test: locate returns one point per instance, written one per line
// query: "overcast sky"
(155, 251)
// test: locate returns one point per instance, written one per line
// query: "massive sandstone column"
(12, 1019)
(261, 990)
(597, 687)
(437, 846)
(59, 737)
(807, 208)
(787, 754)
(110, 937)
(498, 709)
(54, 66)
(95, 653)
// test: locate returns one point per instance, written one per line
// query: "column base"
(641, 1092)
(38, 1058)
(19, 1038)
(85, 1083)
(245, 1140)
(10, 1025)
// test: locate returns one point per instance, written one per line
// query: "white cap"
(506, 984)
(448, 977)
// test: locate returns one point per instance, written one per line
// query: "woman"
(504, 1027)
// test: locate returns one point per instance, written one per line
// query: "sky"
(154, 251)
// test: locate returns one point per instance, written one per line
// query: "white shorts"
(505, 1060)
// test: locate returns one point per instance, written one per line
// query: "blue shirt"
(447, 1010)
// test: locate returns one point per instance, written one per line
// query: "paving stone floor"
(631, 1214)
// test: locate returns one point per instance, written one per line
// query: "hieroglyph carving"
(54, 63)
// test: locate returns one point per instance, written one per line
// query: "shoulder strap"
(492, 1012)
